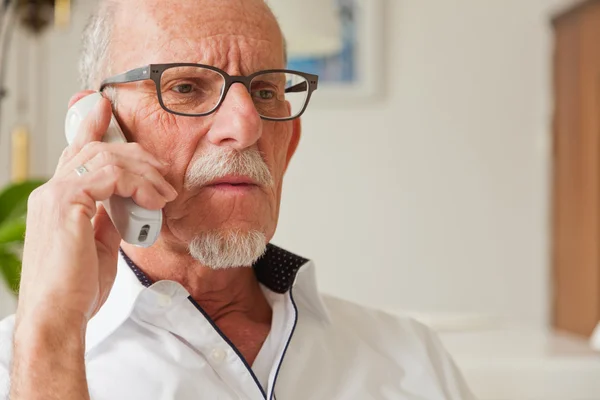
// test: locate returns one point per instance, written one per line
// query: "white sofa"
(505, 363)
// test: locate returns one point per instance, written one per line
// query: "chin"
(185, 229)
(202, 215)
(222, 249)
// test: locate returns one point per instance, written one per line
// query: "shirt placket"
(186, 320)
(291, 320)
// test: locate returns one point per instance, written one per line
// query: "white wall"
(435, 197)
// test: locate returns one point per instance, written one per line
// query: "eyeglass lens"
(196, 90)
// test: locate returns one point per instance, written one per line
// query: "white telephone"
(136, 225)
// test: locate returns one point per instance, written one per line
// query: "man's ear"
(296, 134)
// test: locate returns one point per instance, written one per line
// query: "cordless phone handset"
(136, 225)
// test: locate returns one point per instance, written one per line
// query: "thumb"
(107, 246)
(94, 125)
(91, 129)
(78, 96)
(106, 235)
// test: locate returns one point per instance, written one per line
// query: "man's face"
(239, 37)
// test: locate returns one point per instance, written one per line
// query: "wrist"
(52, 327)
(46, 343)
(48, 357)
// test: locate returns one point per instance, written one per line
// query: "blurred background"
(449, 169)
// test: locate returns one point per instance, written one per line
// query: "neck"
(222, 294)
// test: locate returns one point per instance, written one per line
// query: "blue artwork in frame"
(354, 72)
(339, 67)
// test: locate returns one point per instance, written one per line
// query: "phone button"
(143, 236)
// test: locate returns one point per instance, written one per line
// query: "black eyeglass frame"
(154, 72)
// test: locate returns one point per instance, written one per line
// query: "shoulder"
(400, 338)
(6, 334)
(375, 323)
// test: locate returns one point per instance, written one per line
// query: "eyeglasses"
(198, 90)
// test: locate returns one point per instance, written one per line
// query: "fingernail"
(172, 193)
(163, 167)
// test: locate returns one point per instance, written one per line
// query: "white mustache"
(220, 163)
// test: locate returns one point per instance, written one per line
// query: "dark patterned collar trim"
(276, 269)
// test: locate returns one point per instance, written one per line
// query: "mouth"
(233, 183)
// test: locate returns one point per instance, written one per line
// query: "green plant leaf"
(13, 199)
(12, 230)
(10, 269)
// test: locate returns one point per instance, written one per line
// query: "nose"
(236, 123)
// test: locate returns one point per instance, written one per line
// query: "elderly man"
(211, 310)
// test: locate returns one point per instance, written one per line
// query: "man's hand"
(71, 252)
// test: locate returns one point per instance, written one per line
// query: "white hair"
(221, 162)
(228, 248)
(95, 60)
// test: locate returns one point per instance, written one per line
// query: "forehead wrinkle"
(242, 18)
(241, 41)
(243, 55)
(239, 54)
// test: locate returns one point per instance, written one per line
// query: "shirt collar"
(278, 270)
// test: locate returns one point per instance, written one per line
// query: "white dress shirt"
(151, 341)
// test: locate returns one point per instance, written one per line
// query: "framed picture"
(355, 72)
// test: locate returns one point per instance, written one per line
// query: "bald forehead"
(240, 35)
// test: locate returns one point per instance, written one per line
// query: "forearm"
(48, 361)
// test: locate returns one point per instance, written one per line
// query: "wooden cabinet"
(576, 169)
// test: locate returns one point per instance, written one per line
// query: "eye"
(183, 88)
(264, 94)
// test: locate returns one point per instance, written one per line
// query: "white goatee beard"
(220, 249)
(231, 249)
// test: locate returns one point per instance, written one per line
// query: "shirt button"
(218, 355)
(164, 300)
